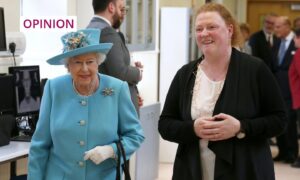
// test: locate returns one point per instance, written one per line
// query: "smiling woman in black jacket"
(222, 108)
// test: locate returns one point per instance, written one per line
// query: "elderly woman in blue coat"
(82, 115)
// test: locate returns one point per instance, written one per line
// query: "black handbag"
(121, 154)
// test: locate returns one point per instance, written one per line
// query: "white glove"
(99, 154)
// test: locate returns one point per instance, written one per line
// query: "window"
(139, 25)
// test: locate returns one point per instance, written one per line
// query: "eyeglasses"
(124, 10)
(78, 64)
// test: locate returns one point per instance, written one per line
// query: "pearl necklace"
(90, 92)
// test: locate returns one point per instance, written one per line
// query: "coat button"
(81, 143)
(81, 164)
(82, 122)
(83, 102)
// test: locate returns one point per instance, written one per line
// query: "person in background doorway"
(222, 108)
(109, 15)
(294, 78)
(296, 23)
(284, 51)
(245, 30)
(262, 42)
(82, 115)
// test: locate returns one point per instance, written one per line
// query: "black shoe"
(279, 158)
(289, 159)
(296, 164)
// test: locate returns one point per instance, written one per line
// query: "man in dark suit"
(284, 52)
(109, 15)
(262, 41)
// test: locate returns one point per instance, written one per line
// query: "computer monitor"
(27, 91)
(2, 31)
(6, 94)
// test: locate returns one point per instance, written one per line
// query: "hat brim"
(100, 48)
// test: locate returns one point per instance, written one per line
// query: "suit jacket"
(117, 63)
(67, 128)
(294, 78)
(281, 71)
(251, 95)
(260, 47)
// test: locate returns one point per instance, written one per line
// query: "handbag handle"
(121, 154)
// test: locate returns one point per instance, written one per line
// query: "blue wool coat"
(70, 124)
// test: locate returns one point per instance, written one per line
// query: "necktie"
(269, 36)
(281, 51)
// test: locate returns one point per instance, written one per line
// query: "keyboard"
(24, 138)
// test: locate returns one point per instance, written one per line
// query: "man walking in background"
(262, 41)
(284, 52)
(109, 15)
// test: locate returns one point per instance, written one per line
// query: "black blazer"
(251, 95)
(281, 71)
(260, 47)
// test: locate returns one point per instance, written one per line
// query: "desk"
(12, 152)
(15, 150)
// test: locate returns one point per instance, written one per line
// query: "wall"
(11, 13)
(45, 44)
(237, 8)
(175, 3)
(181, 3)
(241, 10)
(84, 11)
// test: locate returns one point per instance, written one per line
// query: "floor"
(282, 171)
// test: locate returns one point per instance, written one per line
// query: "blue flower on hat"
(75, 40)
(80, 42)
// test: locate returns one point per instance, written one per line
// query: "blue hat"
(80, 42)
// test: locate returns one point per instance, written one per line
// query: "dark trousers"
(288, 141)
(298, 121)
(21, 177)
